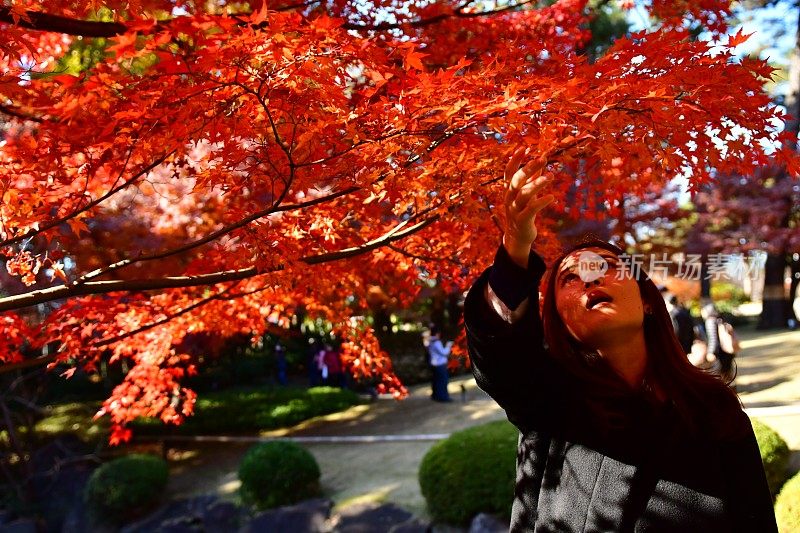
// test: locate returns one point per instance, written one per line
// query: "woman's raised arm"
(522, 203)
(501, 314)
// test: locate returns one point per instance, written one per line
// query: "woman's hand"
(522, 203)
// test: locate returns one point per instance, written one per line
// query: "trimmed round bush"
(787, 506)
(278, 473)
(774, 455)
(126, 487)
(472, 471)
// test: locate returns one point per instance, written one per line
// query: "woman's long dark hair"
(701, 399)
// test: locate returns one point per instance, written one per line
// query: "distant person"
(722, 349)
(280, 363)
(332, 360)
(312, 363)
(439, 353)
(682, 322)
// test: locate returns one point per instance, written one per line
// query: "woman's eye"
(568, 277)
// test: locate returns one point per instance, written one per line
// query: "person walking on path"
(333, 362)
(619, 432)
(722, 361)
(439, 353)
(281, 363)
(682, 322)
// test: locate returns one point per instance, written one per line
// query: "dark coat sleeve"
(748, 501)
(510, 361)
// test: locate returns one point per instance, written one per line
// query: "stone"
(182, 524)
(309, 516)
(414, 525)
(77, 519)
(446, 528)
(205, 513)
(222, 517)
(23, 525)
(371, 518)
(486, 523)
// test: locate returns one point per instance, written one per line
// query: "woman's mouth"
(596, 298)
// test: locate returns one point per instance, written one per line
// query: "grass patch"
(249, 410)
(74, 418)
(231, 411)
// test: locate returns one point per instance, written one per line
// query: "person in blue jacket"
(618, 431)
(438, 353)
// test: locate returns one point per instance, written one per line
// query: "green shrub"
(774, 455)
(787, 506)
(727, 295)
(278, 473)
(126, 487)
(470, 472)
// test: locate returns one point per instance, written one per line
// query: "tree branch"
(28, 363)
(100, 287)
(11, 112)
(151, 325)
(37, 20)
(58, 221)
(212, 236)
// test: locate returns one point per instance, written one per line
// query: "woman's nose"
(589, 283)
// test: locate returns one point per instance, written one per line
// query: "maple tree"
(213, 166)
(745, 214)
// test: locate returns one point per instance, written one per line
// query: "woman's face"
(597, 306)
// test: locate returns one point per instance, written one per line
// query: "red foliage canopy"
(220, 166)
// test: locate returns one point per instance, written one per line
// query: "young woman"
(618, 431)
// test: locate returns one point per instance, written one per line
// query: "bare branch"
(37, 20)
(28, 363)
(11, 112)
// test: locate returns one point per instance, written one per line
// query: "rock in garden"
(23, 525)
(486, 523)
(415, 525)
(222, 517)
(309, 516)
(202, 513)
(370, 518)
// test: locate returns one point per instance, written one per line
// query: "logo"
(591, 266)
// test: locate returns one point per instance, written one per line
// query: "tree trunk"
(381, 321)
(453, 313)
(705, 282)
(775, 310)
(438, 308)
(774, 302)
(793, 294)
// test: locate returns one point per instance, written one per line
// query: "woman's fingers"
(531, 169)
(535, 205)
(518, 199)
(513, 164)
(531, 188)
